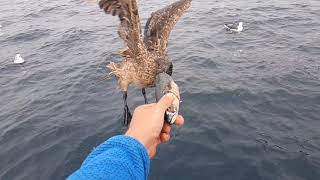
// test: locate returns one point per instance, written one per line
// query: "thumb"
(165, 102)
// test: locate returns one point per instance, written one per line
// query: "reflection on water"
(251, 100)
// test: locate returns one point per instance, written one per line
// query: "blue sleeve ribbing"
(120, 157)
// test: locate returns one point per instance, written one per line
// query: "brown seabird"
(145, 57)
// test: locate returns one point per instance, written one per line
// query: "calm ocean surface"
(251, 100)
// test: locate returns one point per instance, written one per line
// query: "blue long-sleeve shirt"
(120, 157)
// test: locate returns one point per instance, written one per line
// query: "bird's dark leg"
(126, 112)
(170, 69)
(144, 95)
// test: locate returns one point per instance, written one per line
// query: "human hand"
(148, 126)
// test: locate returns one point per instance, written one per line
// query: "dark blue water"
(251, 100)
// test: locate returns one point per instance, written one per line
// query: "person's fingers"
(166, 128)
(165, 102)
(164, 137)
(179, 121)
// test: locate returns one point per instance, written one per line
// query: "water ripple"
(250, 99)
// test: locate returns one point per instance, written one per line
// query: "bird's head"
(165, 84)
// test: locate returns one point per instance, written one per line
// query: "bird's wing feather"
(160, 24)
(129, 28)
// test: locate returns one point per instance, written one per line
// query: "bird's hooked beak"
(164, 85)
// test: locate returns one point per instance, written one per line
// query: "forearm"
(120, 157)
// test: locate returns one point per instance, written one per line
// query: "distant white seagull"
(18, 59)
(234, 27)
(1, 30)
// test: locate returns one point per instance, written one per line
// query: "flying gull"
(146, 63)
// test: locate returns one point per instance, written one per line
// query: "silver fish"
(165, 84)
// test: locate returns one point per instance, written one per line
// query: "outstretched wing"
(160, 24)
(129, 28)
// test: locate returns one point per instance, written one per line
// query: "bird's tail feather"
(115, 69)
(108, 76)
